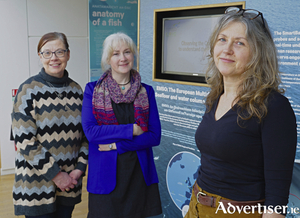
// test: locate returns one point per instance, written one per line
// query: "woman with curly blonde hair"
(247, 137)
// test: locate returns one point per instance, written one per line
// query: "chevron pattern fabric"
(49, 139)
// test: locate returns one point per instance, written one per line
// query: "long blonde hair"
(262, 73)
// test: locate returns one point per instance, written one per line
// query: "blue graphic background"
(281, 16)
(175, 170)
(181, 176)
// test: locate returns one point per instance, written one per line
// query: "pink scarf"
(107, 89)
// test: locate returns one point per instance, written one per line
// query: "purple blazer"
(102, 166)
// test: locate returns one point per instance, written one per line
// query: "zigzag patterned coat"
(49, 139)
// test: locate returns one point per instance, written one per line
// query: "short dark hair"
(50, 37)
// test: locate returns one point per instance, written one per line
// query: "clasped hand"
(65, 181)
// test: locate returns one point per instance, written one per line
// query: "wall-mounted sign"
(105, 18)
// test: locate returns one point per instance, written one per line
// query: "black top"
(131, 198)
(252, 161)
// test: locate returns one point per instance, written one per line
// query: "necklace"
(123, 85)
(59, 95)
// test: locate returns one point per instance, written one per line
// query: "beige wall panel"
(67, 16)
(14, 70)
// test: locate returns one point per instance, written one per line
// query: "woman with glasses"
(247, 137)
(121, 122)
(51, 148)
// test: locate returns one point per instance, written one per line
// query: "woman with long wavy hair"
(247, 137)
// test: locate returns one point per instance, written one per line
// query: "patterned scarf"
(107, 89)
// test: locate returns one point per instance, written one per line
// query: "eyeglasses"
(247, 13)
(58, 53)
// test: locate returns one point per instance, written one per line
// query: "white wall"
(22, 23)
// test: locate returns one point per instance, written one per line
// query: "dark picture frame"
(168, 65)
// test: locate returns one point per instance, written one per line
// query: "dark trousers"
(61, 212)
